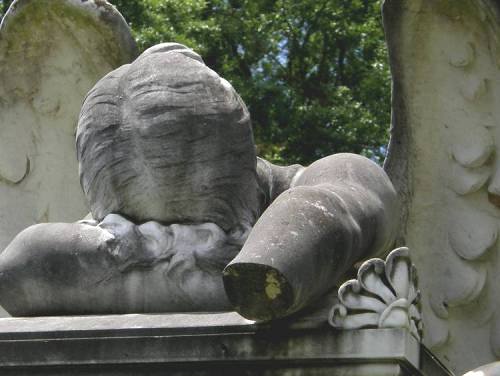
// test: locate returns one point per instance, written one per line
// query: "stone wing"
(444, 161)
(51, 53)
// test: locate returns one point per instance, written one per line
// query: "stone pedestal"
(203, 344)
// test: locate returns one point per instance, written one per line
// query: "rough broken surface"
(444, 161)
(51, 53)
(337, 211)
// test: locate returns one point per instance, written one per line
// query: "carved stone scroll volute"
(384, 295)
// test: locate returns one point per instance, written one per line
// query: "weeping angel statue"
(184, 216)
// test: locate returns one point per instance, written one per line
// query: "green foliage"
(312, 72)
(4, 5)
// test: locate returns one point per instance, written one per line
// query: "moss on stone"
(55, 16)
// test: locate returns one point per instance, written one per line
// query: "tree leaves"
(313, 73)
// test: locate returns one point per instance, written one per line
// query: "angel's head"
(166, 139)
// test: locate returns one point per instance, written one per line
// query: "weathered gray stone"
(337, 211)
(116, 267)
(167, 143)
(384, 295)
(201, 344)
(492, 369)
(166, 139)
(444, 162)
(51, 54)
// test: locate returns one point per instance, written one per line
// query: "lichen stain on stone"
(62, 17)
(232, 272)
(273, 289)
(494, 199)
(480, 12)
(454, 9)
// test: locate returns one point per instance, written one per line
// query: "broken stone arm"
(339, 210)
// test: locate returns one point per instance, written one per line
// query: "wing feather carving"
(51, 53)
(444, 158)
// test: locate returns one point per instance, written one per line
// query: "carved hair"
(166, 139)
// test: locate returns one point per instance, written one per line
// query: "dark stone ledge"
(203, 344)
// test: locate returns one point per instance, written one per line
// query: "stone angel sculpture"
(185, 217)
(444, 161)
